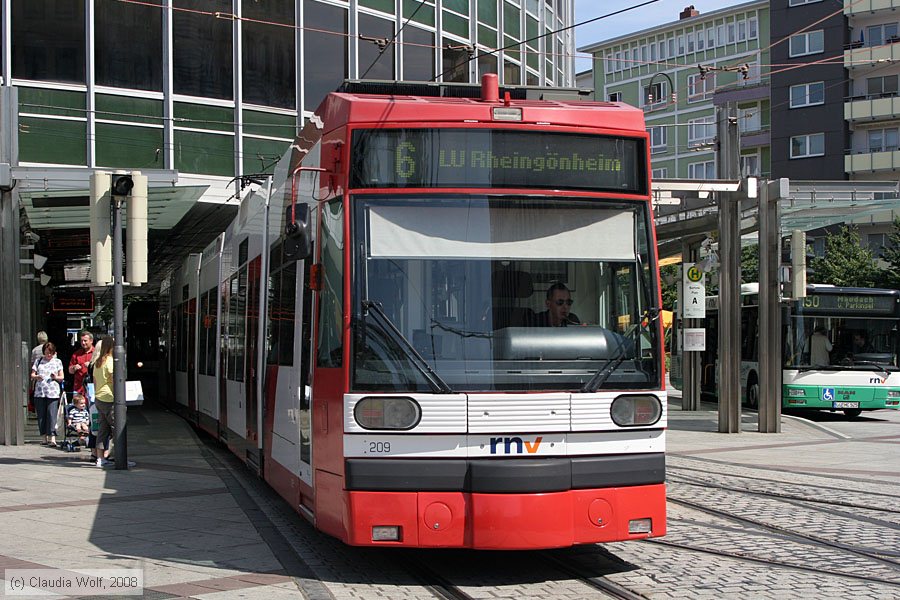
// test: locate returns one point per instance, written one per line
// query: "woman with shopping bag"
(47, 375)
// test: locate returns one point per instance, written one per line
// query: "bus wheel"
(852, 413)
(753, 394)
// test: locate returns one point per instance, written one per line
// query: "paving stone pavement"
(808, 513)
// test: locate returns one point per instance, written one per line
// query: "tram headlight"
(387, 412)
(893, 394)
(635, 410)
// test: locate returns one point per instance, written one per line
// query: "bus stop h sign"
(694, 292)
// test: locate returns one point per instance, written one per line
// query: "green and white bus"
(840, 347)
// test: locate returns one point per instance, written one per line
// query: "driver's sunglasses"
(568, 302)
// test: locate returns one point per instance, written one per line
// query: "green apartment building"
(680, 71)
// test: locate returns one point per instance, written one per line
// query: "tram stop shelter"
(688, 212)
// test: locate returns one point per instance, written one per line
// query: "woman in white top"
(47, 373)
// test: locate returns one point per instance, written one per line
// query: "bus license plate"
(845, 405)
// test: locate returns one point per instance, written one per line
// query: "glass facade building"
(219, 87)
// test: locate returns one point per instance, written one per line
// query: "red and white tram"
(371, 332)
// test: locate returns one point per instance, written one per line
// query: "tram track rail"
(824, 506)
(609, 588)
(777, 563)
(892, 497)
(788, 533)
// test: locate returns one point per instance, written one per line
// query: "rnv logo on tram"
(508, 442)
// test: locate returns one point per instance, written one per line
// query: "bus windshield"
(494, 293)
(832, 341)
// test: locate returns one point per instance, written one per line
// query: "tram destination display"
(441, 158)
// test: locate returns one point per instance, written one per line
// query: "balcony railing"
(860, 7)
(871, 107)
(868, 161)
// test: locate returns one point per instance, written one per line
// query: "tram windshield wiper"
(434, 380)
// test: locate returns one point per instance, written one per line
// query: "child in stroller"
(78, 423)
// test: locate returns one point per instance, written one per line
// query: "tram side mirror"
(297, 241)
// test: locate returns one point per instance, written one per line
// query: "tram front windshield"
(497, 293)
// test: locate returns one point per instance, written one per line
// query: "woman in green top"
(103, 396)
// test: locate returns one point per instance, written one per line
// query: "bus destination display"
(846, 303)
(495, 158)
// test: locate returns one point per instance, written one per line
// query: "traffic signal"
(101, 238)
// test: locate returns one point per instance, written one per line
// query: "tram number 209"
(379, 447)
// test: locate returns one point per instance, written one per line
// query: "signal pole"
(121, 187)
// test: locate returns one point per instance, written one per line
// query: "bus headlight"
(796, 392)
(893, 394)
(635, 410)
(387, 412)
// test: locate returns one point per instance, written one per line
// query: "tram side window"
(282, 291)
(237, 323)
(330, 342)
(203, 334)
(182, 364)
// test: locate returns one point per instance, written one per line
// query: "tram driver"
(559, 306)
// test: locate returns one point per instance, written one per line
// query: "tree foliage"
(670, 291)
(750, 264)
(891, 255)
(846, 262)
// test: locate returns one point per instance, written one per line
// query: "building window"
(731, 32)
(801, 2)
(654, 94)
(615, 97)
(749, 119)
(701, 87)
(455, 64)
(811, 42)
(662, 50)
(690, 42)
(701, 131)
(268, 55)
(48, 40)
(319, 76)
(808, 94)
(671, 52)
(881, 87)
(750, 165)
(702, 170)
(660, 173)
(885, 33)
(373, 63)
(203, 64)
(681, 45)
(883, 140)
(657, 139)
(128, 45)
(418, 54)
(711, 38)
(805, 146)
(701, 39)
(720, 34)
(742, 31)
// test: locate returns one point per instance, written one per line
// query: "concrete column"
(12, 397)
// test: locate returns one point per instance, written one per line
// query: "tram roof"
(369, 103)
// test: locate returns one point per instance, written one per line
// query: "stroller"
(72, 430)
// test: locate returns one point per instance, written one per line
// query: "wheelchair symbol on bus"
(828, 394)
